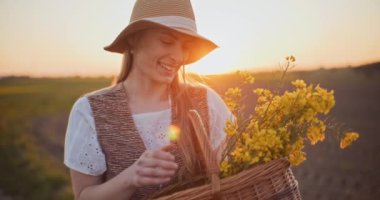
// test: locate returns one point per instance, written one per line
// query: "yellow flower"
(233, 92)
(248, 78)
(254, 160)
(297, 157)
(316, 133)
(279, 126)
(232, 105)
(264, 95)
(308, 115)
(322, 100)
(237, 154)
(258, 91)
(230, 128)
(290, 58)
(225, 167)
(295, 154)
(347, 139)
(299, 83)
(231, 98)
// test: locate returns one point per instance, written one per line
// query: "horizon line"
(262, 69)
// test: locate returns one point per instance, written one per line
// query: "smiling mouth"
(167, 68)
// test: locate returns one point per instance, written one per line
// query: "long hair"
(126, 67)
(178, 89)
(187, 145)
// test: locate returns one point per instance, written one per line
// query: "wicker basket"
(272, 180)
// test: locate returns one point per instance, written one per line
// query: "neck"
(145, 90)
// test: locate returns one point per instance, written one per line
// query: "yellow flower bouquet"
(279, 126)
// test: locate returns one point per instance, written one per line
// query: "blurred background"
(51, 53)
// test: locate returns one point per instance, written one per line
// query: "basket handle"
(207, 152)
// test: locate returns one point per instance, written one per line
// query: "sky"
(66, 38)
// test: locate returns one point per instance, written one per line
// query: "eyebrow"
(186, 39)
(169, 34)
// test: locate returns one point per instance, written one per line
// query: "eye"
(167, 41)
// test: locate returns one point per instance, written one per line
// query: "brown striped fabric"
(117, 133)
(157, 8)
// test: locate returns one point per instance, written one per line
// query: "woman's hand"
(152, 168)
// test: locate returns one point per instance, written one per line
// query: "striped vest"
(117, 133)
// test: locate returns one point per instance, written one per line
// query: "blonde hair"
(126, 67)
(187, 146)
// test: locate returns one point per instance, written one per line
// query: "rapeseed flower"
(348, 138)
(279, 125)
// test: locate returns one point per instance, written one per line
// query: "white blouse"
(84, 154)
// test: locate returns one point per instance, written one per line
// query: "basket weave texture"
(272, 180)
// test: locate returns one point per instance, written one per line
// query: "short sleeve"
(218, 116)
(82, 150)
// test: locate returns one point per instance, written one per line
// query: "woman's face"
(158, 54)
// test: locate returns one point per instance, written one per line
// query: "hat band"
(175, 21)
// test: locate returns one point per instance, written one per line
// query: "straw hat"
(176, 15)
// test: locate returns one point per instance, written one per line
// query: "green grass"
(27, 169)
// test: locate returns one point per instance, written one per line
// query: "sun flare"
(212, 70)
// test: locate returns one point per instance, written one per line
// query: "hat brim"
(200, 47)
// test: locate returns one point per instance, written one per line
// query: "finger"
(167, 148)
(155, 172)
(152, 162)
(143, 181)
(162, 155)
(158, 154)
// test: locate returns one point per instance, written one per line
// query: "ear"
(132, 40)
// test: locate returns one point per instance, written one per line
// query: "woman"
(116, 142)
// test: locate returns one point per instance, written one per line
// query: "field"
(34, 115)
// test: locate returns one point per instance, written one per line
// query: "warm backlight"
(173, 133)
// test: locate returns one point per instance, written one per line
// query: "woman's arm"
(152, 168)
(91, 187)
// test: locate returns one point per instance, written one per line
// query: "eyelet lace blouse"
(84, 154)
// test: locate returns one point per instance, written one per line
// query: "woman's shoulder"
(103, 91)
(81, 111)
(214, 100)
(212, 95)
(199, 87)
(82, 107)
(82, 104)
